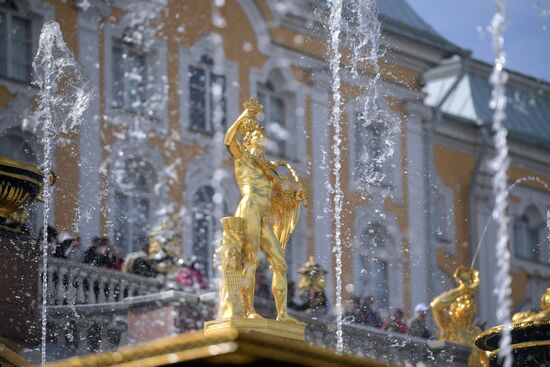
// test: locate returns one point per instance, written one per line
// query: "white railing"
(73, 283)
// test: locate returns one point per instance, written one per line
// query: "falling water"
(499, 165)
(335, 57)
(63, 97)
(363, 31)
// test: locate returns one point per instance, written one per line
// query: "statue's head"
(252, 130)
(466, 276)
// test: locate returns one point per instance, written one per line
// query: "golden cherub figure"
(264, 220)
(454, 310)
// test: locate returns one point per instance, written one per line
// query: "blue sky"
(464, 22)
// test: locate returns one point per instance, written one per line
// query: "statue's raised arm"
(252, 109)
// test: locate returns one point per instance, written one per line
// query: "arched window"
(203, 226)
(206, 88)
(129, 81)
(374, 265)
(528, 234)
(135, 179)
(276, 102)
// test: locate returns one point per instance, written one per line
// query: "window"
(15, 44)
(368, 150)
(275, 110)
(203, 225)
(527, 234)
(135, 179)
(129, 83)
(374, 267)
(207, 105)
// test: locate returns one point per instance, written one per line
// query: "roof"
(399, 17)
(528, 101)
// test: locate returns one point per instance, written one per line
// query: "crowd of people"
(151, 261)
(154, 261)
(361, 311)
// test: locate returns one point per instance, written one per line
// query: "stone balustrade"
(73, 283)
(100, 327)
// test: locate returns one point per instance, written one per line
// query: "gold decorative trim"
(11, 357)
(495, 330)
(290, 330)
(19, 177)
(524, 345)
(18, 164)
(228, 346)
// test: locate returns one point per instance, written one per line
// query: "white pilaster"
(90, 141)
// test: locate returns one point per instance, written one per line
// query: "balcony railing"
(74, 283)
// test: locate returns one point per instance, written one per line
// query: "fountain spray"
(63, 97)
(335, 57)
(499, 164)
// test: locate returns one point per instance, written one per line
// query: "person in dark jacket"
(97, 253)
(367, 315)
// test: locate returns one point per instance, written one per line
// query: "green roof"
(399, 17)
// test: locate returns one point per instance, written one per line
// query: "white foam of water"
(499, 165)
(64, 95)
(335, 58)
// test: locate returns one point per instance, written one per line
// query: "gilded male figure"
(267, 221)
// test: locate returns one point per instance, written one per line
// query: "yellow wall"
(453, 167)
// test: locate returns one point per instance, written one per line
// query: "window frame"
(131, 197)
(374, 246)
(271, 93)
(522, 223)
(9, 14)
(126, 107)
(206, 66)
(359, 131)
(205, 206)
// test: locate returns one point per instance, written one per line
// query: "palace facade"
(147, 147)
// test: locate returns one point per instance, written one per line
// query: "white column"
(320, 173)
(90, 142)
(419, 251)
(486, 262)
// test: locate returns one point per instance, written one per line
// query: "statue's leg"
(251, 252)
(276, 258)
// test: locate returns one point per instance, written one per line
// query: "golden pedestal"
(220, 348)
(290, 330)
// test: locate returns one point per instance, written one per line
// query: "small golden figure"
(544, 313)
(312, 284)
(454, 310)
(267, 215)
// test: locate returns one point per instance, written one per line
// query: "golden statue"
(264, 220)
(454, 310)
(544, 313)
